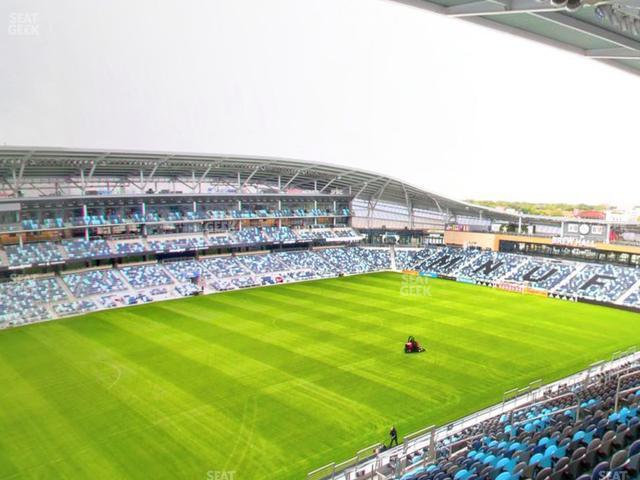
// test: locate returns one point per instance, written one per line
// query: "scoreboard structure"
(586, 231)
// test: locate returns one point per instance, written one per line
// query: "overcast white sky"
(446, 105)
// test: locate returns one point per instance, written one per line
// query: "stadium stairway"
(628, 293)
(65, 288)
(61, 251)
(171, 275)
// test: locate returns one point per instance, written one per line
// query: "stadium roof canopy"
(23, 167)
(608, 30)
(29, 168)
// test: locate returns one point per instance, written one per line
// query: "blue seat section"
(602, 290)
(312, 234)
(546, 273)
(144, 276)
(182, 244)
(633, 299)
(258, 236)
(47, 253)
(306, 260)
(605, 283)
(261, 263)
(74, 308)
(23, 302)
(31, 300)
(251, 236)
(127, 247)
(491, 265)
(299, 276)
(187, 289)
(224, 267)
(222, 240)
(280, 235)
(136, 299)
(448, 260)
(357, 259)
(244, 270)
(407, 259)
(85, 284)
(189, 270)
(79, 249)
(42, 253)
(244, 282)
(156, 214)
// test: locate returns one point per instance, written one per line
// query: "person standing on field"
(393, 433)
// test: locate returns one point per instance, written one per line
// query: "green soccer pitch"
(274, 382)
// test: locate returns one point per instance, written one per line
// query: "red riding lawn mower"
(412, 346)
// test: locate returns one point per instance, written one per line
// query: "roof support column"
(315, 206)
(17, 179)
(409, 205)
(411, 216)
(83, 184)
(203, 177)
(335, 211)
(85, 214)
(143, 210)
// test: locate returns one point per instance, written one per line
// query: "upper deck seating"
(79, 249)
(42, 253)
